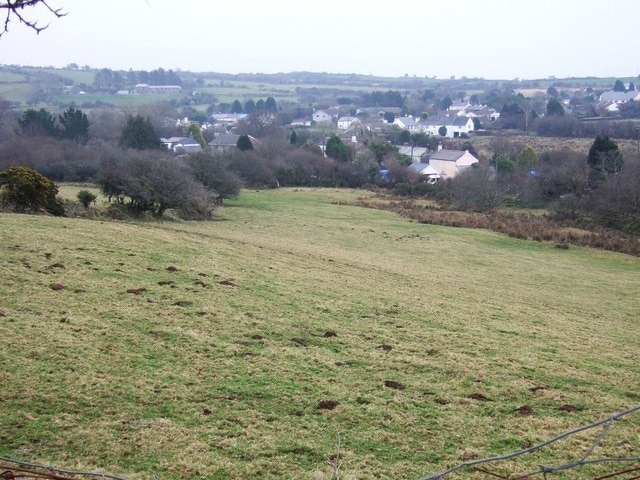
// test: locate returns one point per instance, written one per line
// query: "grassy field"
(247, 346)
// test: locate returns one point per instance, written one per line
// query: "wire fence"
(11, 469)
(546, 470)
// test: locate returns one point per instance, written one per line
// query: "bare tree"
(16, 9)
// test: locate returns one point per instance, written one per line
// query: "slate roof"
(226, 140)
(187, 141)
(417, 151)
(406, 121)
(446, 121)
(612, 96)
(448, 155)
(424, 169)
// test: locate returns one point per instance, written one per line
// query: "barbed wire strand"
(60, 470)
(543, 469)
(566, 466)
(620, 473)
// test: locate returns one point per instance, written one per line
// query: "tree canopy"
(236, 107)
(555, 108)
(336, 149)
(619, 86)
(604, 159)
(195, 132)
(139, 133)
(38, 123)
(76, 125)
(244, 143)
(270, 105)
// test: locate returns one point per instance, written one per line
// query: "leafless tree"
(15, 9)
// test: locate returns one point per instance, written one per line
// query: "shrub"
(25, 190)
(86, 197)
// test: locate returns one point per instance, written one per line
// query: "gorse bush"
(26, 190)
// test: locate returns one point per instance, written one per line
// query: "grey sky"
(473, 38)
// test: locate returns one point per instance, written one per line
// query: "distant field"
(76, 76)
(247, 346)
(16, 92)
(10, 77)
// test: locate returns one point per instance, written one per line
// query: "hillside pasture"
(295, 328)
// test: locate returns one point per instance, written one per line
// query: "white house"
(407, 123)
(451, 162)
(182, 144)
(144, 89)
(455, 126)
(479, 111)
(187, 145)
(619, 97)
(320, 116)
(458, 106)
(345, 123)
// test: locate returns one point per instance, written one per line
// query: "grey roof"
(424, 168)
(227, 140)
(171, 139)
(417, 151)
(446, 121)
(449, 155)
(187, 141)
(417, 167)
(407, 121)
(612, 96)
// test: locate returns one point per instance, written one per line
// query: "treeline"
(390, 98)
(107, 80)
(72, 124)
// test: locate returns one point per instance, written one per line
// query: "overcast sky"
(494, 39)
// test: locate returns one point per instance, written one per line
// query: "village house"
(320, 116)
(182, 144)
(227, 119)
(226, 142)
(417, 154)
(481, 112)
(144, 89)
(345, 123)
(449, 163)
(408, 123)
(456, 126)
(610, 101)
(427, 171)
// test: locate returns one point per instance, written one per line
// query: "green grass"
(188, 377)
